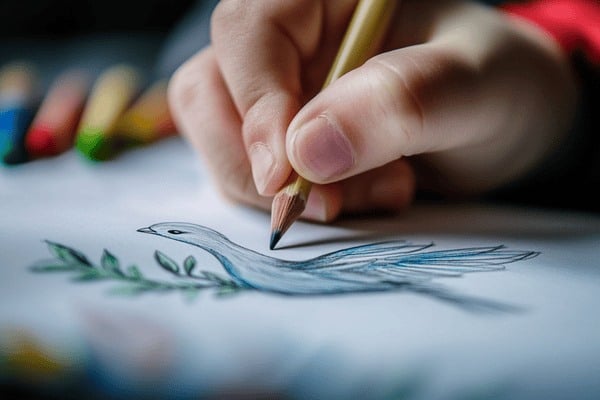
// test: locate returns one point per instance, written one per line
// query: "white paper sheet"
(531, 330)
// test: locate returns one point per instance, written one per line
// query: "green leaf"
(110, 263)
(52, 266)
(134, 273)
(89, 275)
(67, 254)
(167, 263)
(211, 276)
(188, 264)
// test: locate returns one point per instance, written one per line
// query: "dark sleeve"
(570, 177)
(66, 18)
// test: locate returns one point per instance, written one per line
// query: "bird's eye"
(175, 232)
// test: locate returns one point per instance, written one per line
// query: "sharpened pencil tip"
(285, 209)
(275, 236)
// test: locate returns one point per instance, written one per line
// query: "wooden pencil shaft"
(363, 36)
(365, 33)
(64, 100)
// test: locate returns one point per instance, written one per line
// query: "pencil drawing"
(371, 267)
(374, 267)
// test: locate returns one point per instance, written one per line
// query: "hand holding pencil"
(365, 33)
(434, 109)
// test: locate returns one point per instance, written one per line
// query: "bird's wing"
(404, 262)
(470, 259)
(366, 252)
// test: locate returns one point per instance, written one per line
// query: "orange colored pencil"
(149, 118)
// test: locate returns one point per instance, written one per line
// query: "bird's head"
(184, 232)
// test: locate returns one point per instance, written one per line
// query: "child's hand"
(475, 99)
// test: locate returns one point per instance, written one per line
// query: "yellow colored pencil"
(113, 92)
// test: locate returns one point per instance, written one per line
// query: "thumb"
(400, 103)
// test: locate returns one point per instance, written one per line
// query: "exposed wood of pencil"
(287, 207)
(365, 33)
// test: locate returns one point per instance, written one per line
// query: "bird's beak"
(146, 230)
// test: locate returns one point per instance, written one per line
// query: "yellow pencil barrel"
(149, 118)
(113, 92)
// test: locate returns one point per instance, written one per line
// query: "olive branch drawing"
(189, 282)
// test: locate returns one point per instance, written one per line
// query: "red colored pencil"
(55, 124)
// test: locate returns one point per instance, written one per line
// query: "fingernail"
(262, 161)
(323, 149)
(315, 209)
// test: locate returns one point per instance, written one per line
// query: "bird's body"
(372, 267)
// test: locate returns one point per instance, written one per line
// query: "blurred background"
(43, 40)
(155, 35)
(159, 35)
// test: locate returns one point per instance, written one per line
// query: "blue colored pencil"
(17, 102)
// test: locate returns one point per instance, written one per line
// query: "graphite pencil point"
(286, 208)
(275, 236)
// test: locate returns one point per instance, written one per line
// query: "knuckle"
(184, 85)
(237, 16)
(400, 100)
(178, 90)
(255, 125)
(229, 14)
(269, 114)
(225, 10)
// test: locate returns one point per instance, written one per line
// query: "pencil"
(149, 118)
(53, 128)
(365, 33)
(113, 92)
(18, 98)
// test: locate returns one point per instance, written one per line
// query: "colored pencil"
(18, 94)
(364, 34)
(53, 128)
(111, 95)
(148, 119)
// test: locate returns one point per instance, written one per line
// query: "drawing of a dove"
(378, 266)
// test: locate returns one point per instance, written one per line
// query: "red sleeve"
(575, 24)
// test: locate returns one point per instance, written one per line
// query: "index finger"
(261, 47)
